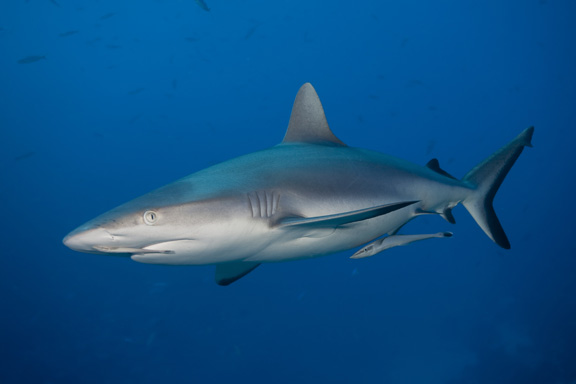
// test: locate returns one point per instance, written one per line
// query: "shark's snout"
(85, 240)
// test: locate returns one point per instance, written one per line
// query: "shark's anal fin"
(446, 214)
(332, 221)
(227, 273)
(434, 165)
(394, 241)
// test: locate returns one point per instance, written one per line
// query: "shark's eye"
(150, 217)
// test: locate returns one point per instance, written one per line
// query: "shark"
(309, 196)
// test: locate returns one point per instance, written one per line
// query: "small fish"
(251, 31)
(158, 288)
(135, 118)
(415, 83)
(113, 46)
(94, 41)
(136, 91)
(150, 339)
(24, 156)
(107, 16)
(202, 5)
(430, 147)
(68, 33)
(31, 59)
(191, 39)
(175, 84)
(55, 3)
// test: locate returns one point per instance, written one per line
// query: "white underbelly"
(323, 241)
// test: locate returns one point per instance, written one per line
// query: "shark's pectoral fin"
(394, 241)
(227, 273)
(332, 221)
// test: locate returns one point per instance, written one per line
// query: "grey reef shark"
(309, 196)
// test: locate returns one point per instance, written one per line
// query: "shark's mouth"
(169, 247)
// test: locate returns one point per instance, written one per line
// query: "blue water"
(102, 101)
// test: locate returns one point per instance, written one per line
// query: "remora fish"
(31, 59)
(68, 33)
(309, 196)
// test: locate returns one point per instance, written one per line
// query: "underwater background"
(103, 101)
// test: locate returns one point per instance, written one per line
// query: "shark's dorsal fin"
(307, 122)
(434, 165)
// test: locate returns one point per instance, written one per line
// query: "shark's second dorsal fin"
(434, 165)
(307, 122)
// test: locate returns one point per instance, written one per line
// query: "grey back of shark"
(309, 196)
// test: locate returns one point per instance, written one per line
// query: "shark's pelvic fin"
(486, 178)
(394, 241)
(307, 122)
(332, 221)
(227, 273)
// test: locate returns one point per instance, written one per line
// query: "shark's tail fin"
(486, 178)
